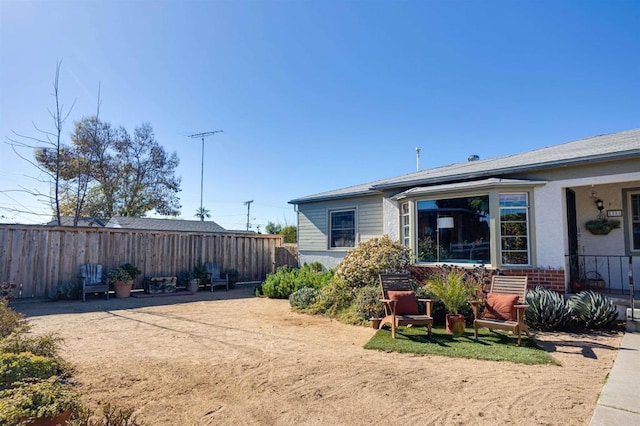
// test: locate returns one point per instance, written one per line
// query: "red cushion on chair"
(406, 303)
(501, 307)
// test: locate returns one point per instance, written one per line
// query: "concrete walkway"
(619, 402)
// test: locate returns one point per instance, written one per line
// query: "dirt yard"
(230, 358)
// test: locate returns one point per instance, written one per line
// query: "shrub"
(6, 292)
(288, 280)
(11, 321)
(303, 298)
(45, 398)
(362, 265)
(26, 367)
(45, 345)
(68, 291)
(333, 298)
(112, 415)
(547, 309)
(233, 275)
(593, 310)
(367, 303)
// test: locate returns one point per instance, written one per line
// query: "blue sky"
(316, 95)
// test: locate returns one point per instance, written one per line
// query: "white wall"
(551, 224)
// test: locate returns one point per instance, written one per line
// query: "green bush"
(593, 310)
(303, 298)
(367, 303)
(288, 280)
(26, 367)
(362, 265)
(333, 299)
(45, 345)
(45, 398)
(68, 291)
(112, 415)
(453, 290)
(547, 309)
(11, 321)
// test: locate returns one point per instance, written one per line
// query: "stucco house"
(522, 214)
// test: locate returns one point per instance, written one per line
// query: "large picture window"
(342, 224)
(514, 229)
(454, 230)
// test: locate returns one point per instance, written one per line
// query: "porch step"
(633, 325)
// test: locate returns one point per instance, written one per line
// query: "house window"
(343, 229)
(634, 228)
(404, 215)
(514, 229)
(454, 230)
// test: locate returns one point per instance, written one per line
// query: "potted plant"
(369, 306)
(188, 279)
(121, 281)
(601, 226)
(200, 273)
(451, 287)
(131, 270)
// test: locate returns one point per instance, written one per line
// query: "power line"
(202, 136)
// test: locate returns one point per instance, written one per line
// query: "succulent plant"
(593, 310)
(547, 309)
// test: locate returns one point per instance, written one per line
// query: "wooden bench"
(505, 285)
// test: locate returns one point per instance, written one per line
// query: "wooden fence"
(38, 257)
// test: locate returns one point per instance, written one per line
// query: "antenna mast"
(417, 159)
(202, 136)
(248, 204)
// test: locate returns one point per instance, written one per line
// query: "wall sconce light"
(600, 205)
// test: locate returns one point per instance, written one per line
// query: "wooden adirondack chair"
(91, 280)
(505, 305)
(214, 275)
(400, 304)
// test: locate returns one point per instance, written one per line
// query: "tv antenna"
(202, 136)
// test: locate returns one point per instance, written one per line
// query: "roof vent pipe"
(473, 157)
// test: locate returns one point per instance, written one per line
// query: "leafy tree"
(290, 234)
(272, 228)
(111, 173)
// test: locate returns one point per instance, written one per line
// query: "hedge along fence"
(39, 257)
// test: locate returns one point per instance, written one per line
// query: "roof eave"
(307, 200)
(515, 169)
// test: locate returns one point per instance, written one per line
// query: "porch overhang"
(484, 184)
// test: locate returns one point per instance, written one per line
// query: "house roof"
(154, 224)
(594, 149)
(83, 221)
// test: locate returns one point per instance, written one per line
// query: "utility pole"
(203, 135)
(248, 204)
(417, 158)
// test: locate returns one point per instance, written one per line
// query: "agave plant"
(594, 310)
(547, 309)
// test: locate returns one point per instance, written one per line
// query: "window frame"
(405, 228)
(331, 230)
(527, 222)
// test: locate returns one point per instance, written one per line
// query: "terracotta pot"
(455, 324)
(193, 285)
(375, 322)
(60, 419)
(123, 288)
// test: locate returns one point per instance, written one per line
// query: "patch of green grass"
(492, 346)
